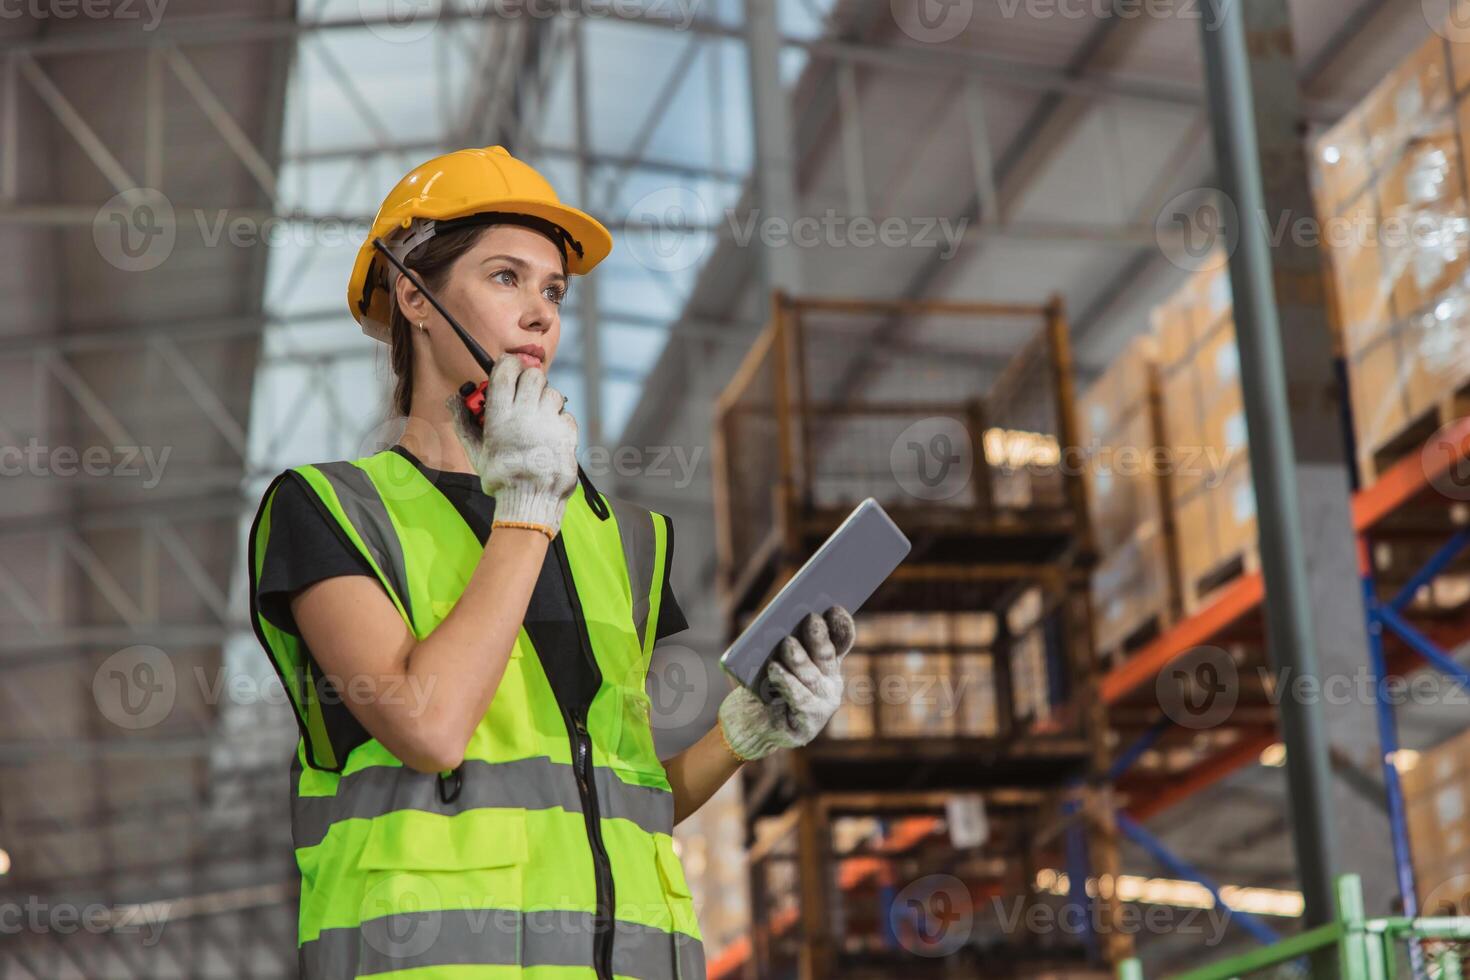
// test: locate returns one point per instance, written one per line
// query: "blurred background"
(1143, 318)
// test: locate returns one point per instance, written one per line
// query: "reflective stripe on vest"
(495, 937)
(395, 879)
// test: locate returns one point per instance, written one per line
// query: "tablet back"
(848, 568)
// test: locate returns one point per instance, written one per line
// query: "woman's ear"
(410, 300)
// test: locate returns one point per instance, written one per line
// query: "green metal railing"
(1367, 948)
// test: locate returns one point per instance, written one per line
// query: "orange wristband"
(528, 525)
(728, 747)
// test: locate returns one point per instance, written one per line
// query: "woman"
(465, 628)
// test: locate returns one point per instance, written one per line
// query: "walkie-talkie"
(471, 393)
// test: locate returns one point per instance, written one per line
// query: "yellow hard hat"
(466, 187)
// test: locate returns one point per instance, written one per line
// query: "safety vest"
(551, 846)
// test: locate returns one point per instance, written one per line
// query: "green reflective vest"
(551, 846)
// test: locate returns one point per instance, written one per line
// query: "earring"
(422, 327)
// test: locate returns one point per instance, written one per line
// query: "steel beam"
(1314, 613)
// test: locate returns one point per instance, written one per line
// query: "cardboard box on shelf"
(1124, 484)
(975, 682)
(972, 629)
(1435, 765)
(1405, 102)
(1341, 168)
(1200, 393)
(1235, 515)
(1217, 359)
(1361, 293)
(1030, 689)
(1213, 295)
(1195, 525)
(911, 694)
(1225, 437)
(1437, 809)
(1193, 312)
(1378, 379)
(854, 717)
(1025, 611)
(919, 675)
(1391, 179)
(1131, 593)
(1439, 821)
(1435, 354)
(1173, 329)
(1444, 885)
(1424, 222)
(1183, 416)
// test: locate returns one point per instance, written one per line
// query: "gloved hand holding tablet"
(809, 622)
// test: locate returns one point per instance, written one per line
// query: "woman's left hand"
(806, 674)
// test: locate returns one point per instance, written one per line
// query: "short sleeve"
(305, 546)
(670, 617)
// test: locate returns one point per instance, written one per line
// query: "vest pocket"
(442, 889)
(670, 870)
(686, 942)
(635, 749)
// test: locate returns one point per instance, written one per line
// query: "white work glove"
(807, 676)
(526, 454)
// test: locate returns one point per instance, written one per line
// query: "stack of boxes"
(1214, 504)
(1390, 188)
(1169, 480)
(1437, 804)
(913, 675)
(913, 680)
(1393, 197)
(1030, 683)
(1127, 494)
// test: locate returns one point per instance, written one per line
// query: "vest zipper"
(602, 933)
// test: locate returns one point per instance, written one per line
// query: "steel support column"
(1315, 624)
(774, 171)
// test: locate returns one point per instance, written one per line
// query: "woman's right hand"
(526, 453)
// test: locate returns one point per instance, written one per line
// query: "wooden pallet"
(1205, 589)
(1373, 461)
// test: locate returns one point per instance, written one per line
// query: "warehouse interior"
(1170, 296)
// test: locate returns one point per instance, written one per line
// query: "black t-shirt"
(306, 545)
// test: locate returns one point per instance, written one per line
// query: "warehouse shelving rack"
(794, 451)
(1426, 494)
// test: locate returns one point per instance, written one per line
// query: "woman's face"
(506, 291)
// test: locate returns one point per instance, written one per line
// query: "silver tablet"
(848, 568)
